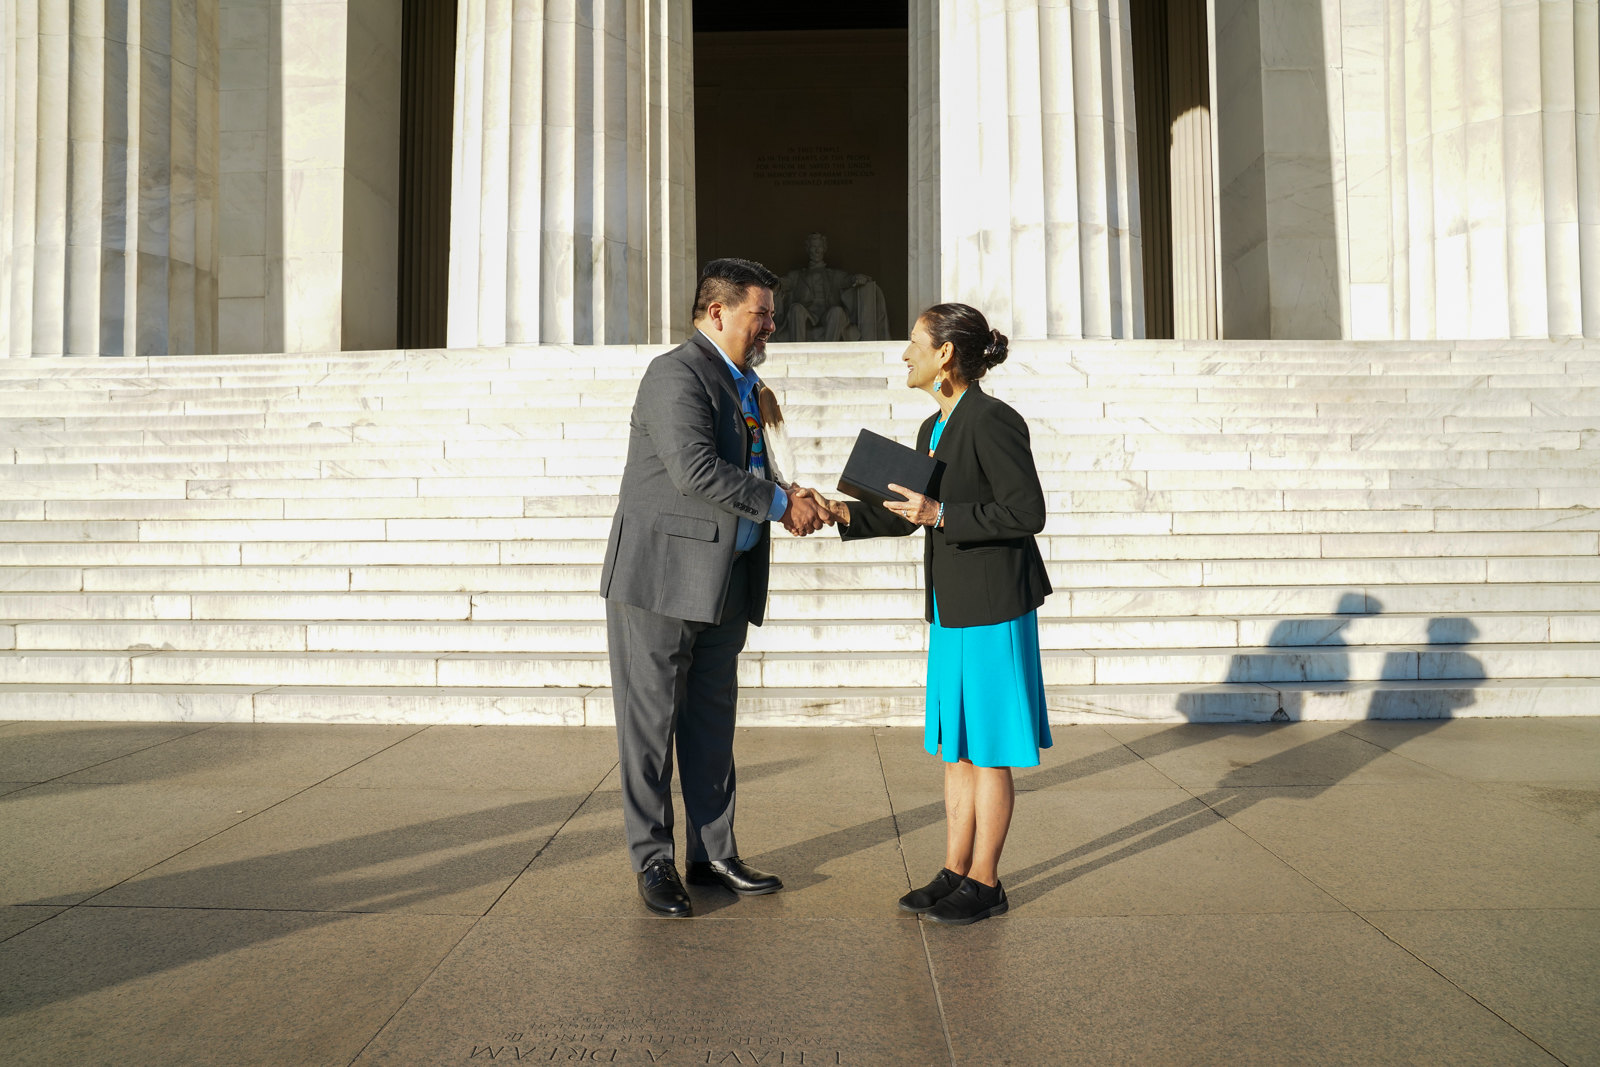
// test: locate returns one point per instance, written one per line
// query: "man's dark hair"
(727, 281)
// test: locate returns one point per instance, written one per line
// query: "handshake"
(809, 511)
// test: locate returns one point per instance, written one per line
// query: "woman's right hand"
(837, 508)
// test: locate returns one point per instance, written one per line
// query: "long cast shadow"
(1243, 788)
(386, 871)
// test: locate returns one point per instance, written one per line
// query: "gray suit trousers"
(673, 680)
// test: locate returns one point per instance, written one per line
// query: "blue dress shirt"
(749, 531)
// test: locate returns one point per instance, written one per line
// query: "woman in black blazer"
(985, 581)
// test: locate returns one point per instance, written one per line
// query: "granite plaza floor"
(1321, 893)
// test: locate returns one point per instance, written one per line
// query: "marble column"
(245, 41)
(1474, 172)
(310, 144)
(1036, 163)
(1279, 166)
(307, 109)
(923, 253)
(1194, 281)
(1171, 47)
(573, 185)
(108, 204)
(371, 241)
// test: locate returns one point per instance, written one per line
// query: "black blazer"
(983, 564)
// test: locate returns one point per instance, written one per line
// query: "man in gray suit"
(685, 574)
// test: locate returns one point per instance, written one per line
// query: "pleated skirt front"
(986, 701)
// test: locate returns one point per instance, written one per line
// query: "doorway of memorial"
(1177, 204)
(800, 158)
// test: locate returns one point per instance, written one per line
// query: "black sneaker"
(920, 900)
(970, 902)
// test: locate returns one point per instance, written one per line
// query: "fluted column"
(21, 170)
(1586, 133)
(1474, 189)
(107, 209)
(1279, 171)
(1194, 280)
(573, 216)
(923, 268)
(1037, 165)
(8, 37)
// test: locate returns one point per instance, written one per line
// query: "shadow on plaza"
(398, 870)
(408, 867)
(1303, 772)
(1324, 657)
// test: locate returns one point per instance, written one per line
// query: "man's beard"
(756, 356)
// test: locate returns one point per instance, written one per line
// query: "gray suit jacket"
(686, 484)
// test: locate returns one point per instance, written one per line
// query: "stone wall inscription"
(813, 166)
(648, 1044)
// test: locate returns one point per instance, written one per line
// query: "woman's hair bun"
(994, 353)
(977, 347)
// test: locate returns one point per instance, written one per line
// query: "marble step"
(818, 706)
(1331, 501)
(1136, 616)
(1060, 416)
(1115, 667)
(1227, 560)
(1049, 370)
(1521, 395)
(1385, 433)
(1028, 359)
(267, 508)
(805, 410)
(534, 593)
(1143, 588)
(1091, 536)
(1285, 559)
(377, 479)
(898, 669)
(1203, 380)
(1120, 589)
(477, 440)
(1462, 557)
(521, 517)
(535, 456)
(1484, 510)
(592, 359)
(1091, 419)
(463, 670)
(422, 519)
(96, 626)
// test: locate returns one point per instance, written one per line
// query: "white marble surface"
(90, 103)
(1415, 168)
(1465, 166)
(573, 140)
(1036, 221)
(1170, 585)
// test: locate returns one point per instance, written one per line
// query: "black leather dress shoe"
(662, 891)
(733, 873)
(970, 902)
(921, 900)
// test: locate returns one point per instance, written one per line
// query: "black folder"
(875, 461)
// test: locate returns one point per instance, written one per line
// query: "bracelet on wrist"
(938, 520)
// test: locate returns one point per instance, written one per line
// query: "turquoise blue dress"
(986, 699)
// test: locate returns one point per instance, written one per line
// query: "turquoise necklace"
(938, 427)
